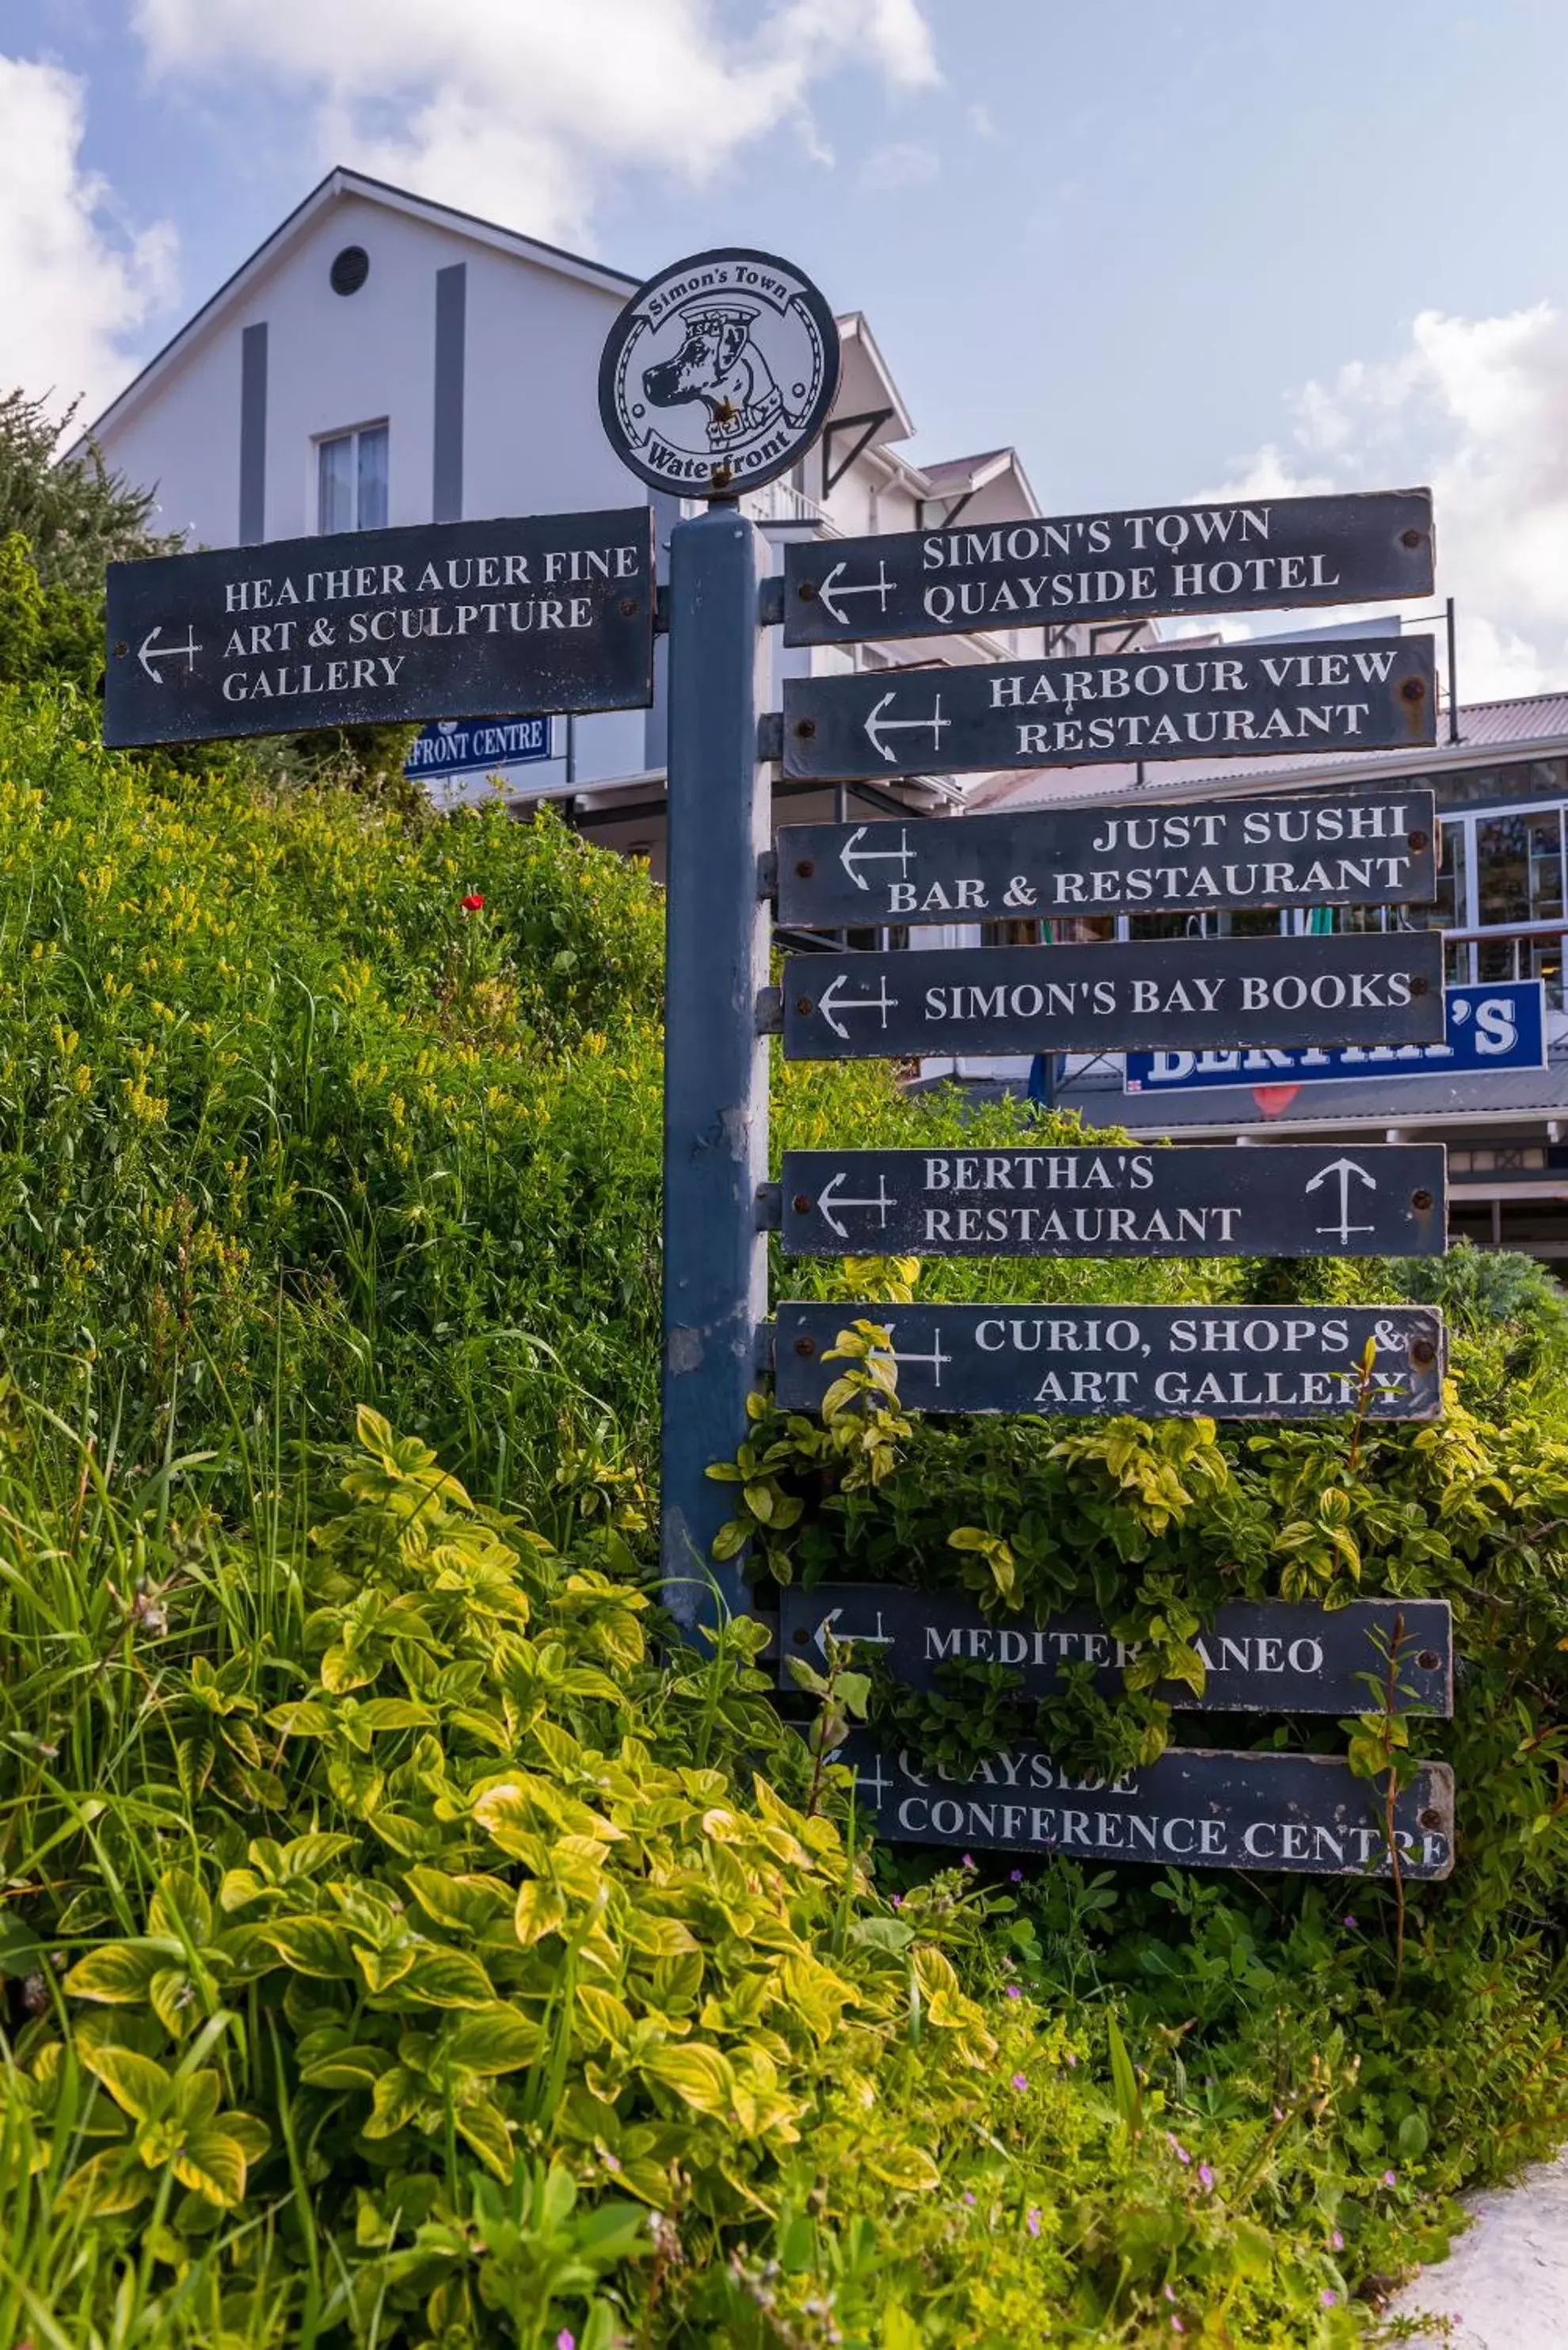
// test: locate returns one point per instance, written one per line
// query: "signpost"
(1333, 848)
(1299, 1199)
(1157, 1362)
(1259, 1656)
(452, 619)
(1501, 1025)
(1230, 702)
(1298, 1813)
(716, 376)
(1239, 555)
(1369, 988)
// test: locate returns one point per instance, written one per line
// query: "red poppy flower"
(473, 903)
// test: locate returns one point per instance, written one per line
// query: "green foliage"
(45, 631)
(401, 1945)
(75, 514)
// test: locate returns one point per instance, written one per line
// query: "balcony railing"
(780, 502)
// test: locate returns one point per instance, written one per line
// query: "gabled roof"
(865, 374)
(339, 183)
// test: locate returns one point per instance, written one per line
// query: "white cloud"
(77, 282)
(900, 165)
(1479, 408)
(525, 108)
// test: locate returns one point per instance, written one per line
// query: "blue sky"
(1162, 249)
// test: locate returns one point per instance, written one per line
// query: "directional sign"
(1234, 702)
(1501, 1025)
(1237, 557)
(450, 619)
(1151, 995)
(1259, 1656)
(1338, 848)
(1299, 1199)
(1157, 1362)
(1194, 1807)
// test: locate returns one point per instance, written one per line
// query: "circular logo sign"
(717, 373)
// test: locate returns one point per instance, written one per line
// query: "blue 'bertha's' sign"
(1499, 1028)
(454, 746)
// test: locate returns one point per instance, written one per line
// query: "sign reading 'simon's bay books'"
(452, 619)
(1234, 702)
(1156, 1362)
(1322, 848)
(1297, 1199)
(1226, 558)
(1196, 1807)
(1369, 988)
(1266, 1656)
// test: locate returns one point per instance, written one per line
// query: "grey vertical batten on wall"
(450, 336)
(252, 434)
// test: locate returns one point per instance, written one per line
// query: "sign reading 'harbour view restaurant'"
(1243, 701)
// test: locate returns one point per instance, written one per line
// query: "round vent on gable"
(350, 269)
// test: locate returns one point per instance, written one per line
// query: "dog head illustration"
(720, 365)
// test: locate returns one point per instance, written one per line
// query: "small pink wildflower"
(896, 1899)
(969, 2199)
(1169, 2293)
(1177, 2147)
(967, 1861)
(1012, 1991)
(1338, 2241)
(1390, 2178)
(1015, 1877)
(1020, 2080)
(564, 2341)
(1328, 2298)
(1177, 2326)
(1351, 1923)
(1206, 2178)
(1032, 2221)
(1068, 2057)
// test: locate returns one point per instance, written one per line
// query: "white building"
(383, 360)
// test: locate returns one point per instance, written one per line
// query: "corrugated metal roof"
(1538, 721)
(1100, 1101)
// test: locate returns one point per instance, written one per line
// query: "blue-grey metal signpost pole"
(715, 1065)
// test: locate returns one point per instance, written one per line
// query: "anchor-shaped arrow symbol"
(876, 726)
(852, 859)
(1345, 1169)
(828, 1200)
(877, 1639)
(151, 651)
(881, 587)
(832, 1000)
(936, 1358)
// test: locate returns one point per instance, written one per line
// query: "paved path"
(1505, 2284)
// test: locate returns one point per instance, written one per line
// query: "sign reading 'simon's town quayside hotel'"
(717, 375)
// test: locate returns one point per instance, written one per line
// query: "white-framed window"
(351, 480)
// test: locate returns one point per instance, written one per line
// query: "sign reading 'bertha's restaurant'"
(1328, 849)
(1169, 560)
(454, 620)
(1298, 1200)
(1377, 695)
(1157, 1362)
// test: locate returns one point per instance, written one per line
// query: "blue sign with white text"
(1502, 1026)
(467, 746)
